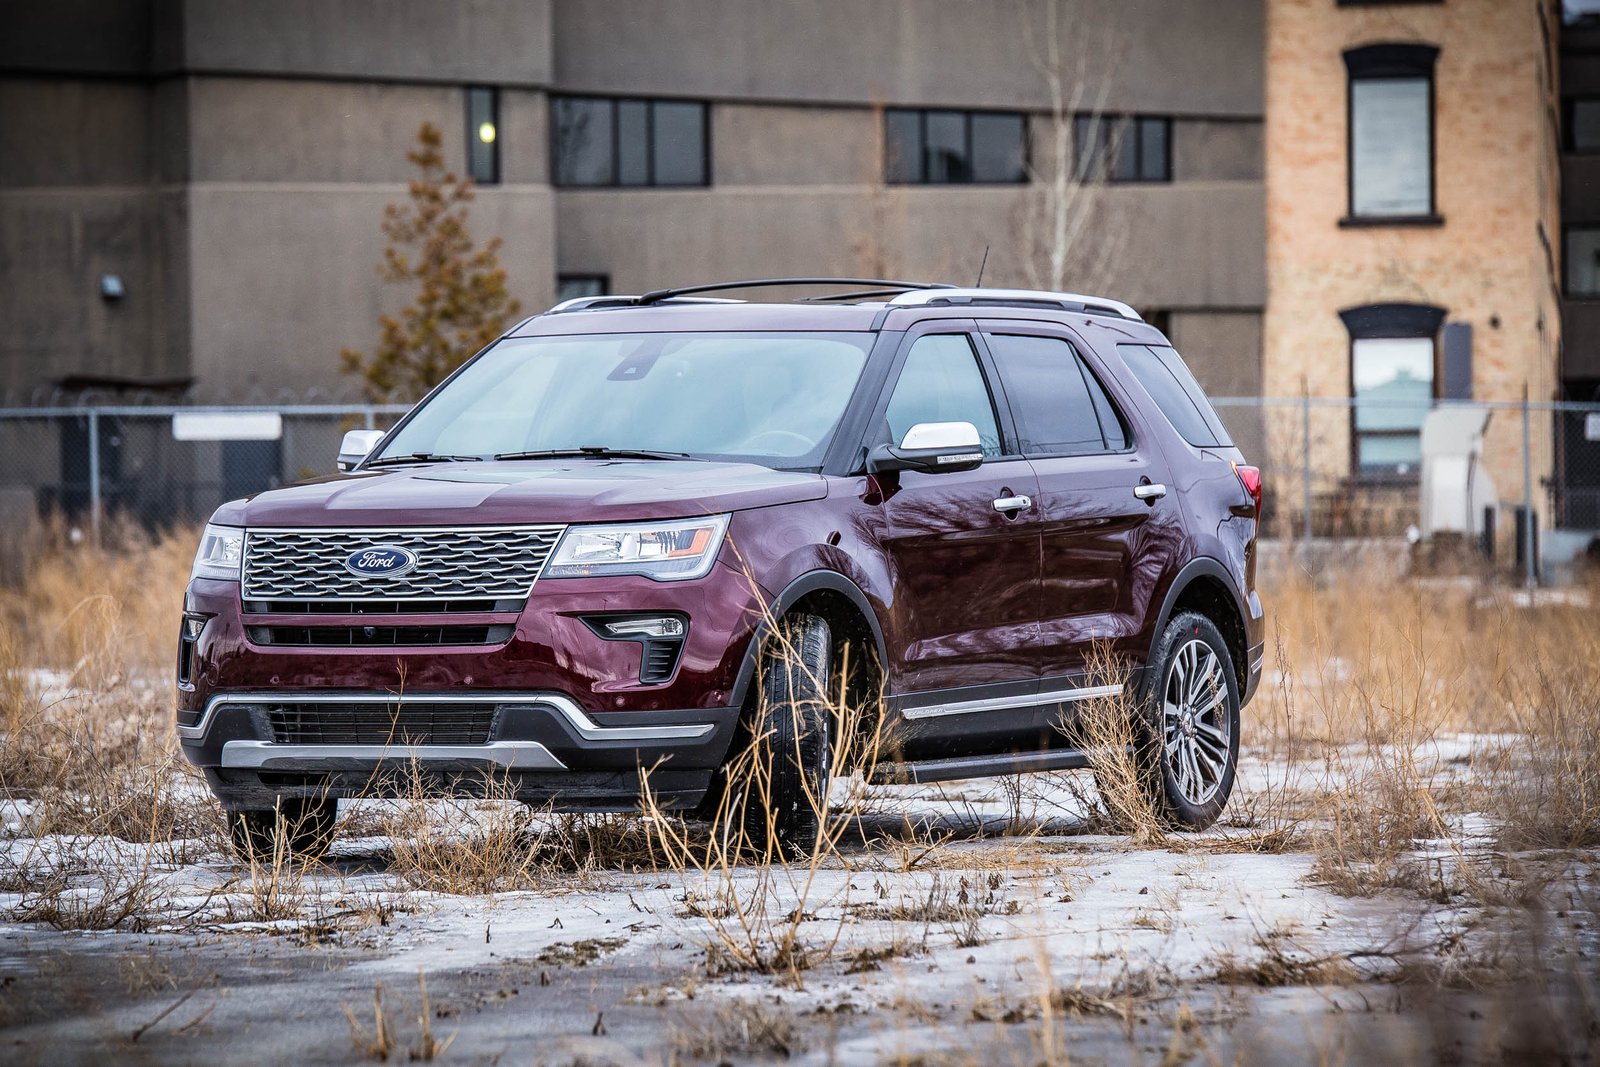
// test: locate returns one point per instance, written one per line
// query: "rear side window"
(1166, 378)
(1060, 407)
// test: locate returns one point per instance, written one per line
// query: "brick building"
(1412, 228)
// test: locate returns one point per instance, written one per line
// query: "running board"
(916, 772)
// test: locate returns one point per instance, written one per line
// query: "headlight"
(668, 551)
(221, 549)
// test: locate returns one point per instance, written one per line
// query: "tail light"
(1250, 478)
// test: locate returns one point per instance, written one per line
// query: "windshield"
(770, 398)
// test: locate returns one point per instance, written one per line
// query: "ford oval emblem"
(379, 560)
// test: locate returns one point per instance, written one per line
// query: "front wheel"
(295, 827)
(1190, 750)
(775, 785)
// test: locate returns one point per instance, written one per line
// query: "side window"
(1060, 407)
(942, 382)
(1166, 378)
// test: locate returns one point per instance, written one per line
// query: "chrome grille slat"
(499, 562)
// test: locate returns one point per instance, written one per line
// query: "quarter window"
(942, 382)
(1391, 130)
(1060, 407)
(615, 142)
(955, 147)
(1167, 379)
(1123, 148)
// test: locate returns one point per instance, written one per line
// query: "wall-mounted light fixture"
(111, 288)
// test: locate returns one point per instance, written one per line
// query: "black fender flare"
(1201, 566)
(807, 583)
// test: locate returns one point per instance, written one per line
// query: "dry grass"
(1435, 740)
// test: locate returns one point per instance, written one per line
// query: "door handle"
(1150, 493)
(1013, 503)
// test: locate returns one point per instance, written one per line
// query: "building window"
(1583, 125)
(1123, 148)
(1392, 358)
(1391, 131)
(575, 286)
(1583, 261)
(483, 135)
(951, 147)
(616, 142)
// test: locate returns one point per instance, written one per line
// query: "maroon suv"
(567, 562)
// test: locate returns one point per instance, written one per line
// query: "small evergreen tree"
(461, 303)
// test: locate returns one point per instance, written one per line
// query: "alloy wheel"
(1195, 721)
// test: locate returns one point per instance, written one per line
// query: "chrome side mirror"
(932, 448)
(357, 446)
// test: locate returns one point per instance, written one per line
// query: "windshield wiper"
(422, 457)
(594, 452)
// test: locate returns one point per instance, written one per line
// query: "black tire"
(1189, 741)
(304, 826)
(793, 727)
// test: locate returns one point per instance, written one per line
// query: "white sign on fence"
(227, 426)
(1591, 426)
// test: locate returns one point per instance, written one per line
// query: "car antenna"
(979, 283)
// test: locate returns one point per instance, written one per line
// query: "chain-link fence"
(158, 466)
(1332, 468)
(1463, 475)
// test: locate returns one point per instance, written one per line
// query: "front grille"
(377, 723)
(378, 636)
(486, 563)
(478, 606)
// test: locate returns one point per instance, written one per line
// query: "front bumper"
(569, 720)
(539, 747)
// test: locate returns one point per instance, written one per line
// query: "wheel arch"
(850, 617)
(1205, 586)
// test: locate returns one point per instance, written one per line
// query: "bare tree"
(1068, 237)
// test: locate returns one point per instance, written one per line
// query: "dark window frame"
(614, 180)
(1391, 61)
(1567, 291)
(472, 133)
(922, 113)
(1398, 322)
(1083, 171)
(1569, 107)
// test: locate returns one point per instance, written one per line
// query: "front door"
(1109, 524)
(964, 546)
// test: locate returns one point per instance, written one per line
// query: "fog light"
(644, 626)
(192, 625)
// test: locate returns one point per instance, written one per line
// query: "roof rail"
(617, 300)
(656, 295)
(1070, 301)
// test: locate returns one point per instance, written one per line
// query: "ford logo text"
(380, 560)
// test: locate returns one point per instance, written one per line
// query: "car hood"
(535, 491)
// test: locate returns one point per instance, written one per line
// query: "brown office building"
(191, 190)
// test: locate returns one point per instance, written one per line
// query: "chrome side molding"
(1024, 700)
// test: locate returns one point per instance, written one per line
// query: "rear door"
(1110, 528)
(963, 545)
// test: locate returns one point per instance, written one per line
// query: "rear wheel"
(1189, 753)
(297, 826)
